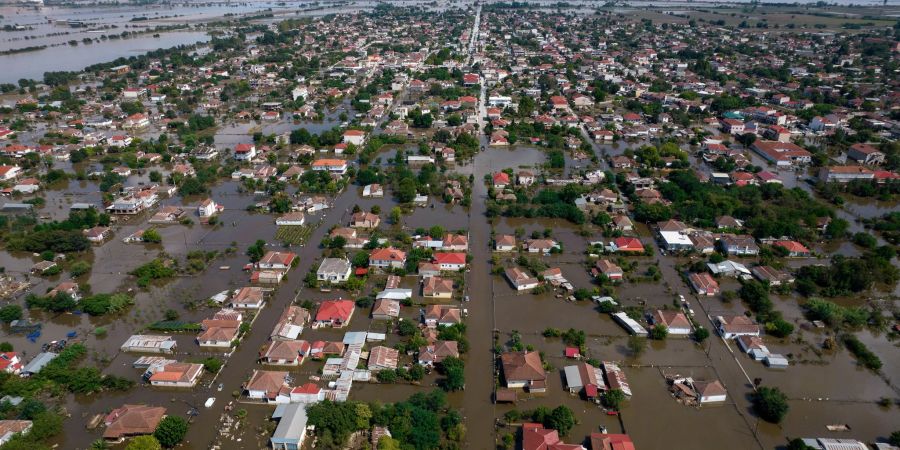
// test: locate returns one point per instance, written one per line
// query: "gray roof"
(355, 337)
(776, 360)
(334, 265)
(292, 427)
(395, 294)
(38, 363)
(16, 206)
(573, 377)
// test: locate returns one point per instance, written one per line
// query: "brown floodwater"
(852, 392)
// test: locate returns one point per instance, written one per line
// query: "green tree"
(779, 328)
(257, 250)
(406, 190)
(334, 422)
(770, 404)
(659, 332)
(396, 214)
(212, 364)
(388, 443)
(701, 334)
(9, 313)
(171, 431)
(561, 419)
(454, 374)
(613, 399)
(416, 372)
(406, 328)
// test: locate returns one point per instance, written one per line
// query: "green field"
(293, 234)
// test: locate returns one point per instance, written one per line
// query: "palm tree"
(99, 444)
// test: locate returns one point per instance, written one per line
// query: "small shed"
(505, 396)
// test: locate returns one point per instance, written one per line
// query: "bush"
(386, 376)
(79, 268)
(770, 404)
(153, 270)
(9, 313)
(659, 332)
(834, 314)
(175, 325)
(779, 328)
(865, 356)
(212, 364)
(58, 303)
(100, 304)
(151, 236)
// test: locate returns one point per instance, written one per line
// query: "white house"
(334, 270)
(208, 208)
(710, 392)
(355, 137)
(291, 219)
(9, 172)
(244, 152)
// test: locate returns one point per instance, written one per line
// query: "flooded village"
(441, 225)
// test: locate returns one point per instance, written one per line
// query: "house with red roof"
(674, 321)
(308, 393)
(768, 177)
(9, 172)
(334, 313)
(10, 362)
(277, 260)
(743, 178)
(355, 137)
(389, 257)
(244, 152)
(611, 270)
(559, 102)
(450, 260)
(794, 248)
(882, 176)
(501, 180)
(732, 126)
(602, 441)
(628, 245)
(332, 165)
(704, 283)
(536, 437)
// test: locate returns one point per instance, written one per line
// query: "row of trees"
(419, 423)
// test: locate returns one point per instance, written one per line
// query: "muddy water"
(494, 306)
